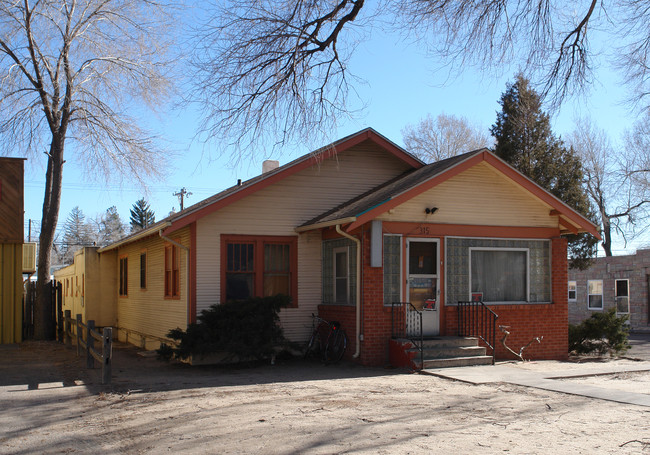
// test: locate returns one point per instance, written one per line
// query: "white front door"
(423, 281)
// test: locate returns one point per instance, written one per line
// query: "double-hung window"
(595, 294)
(623, 296)
(573, 291)
(258, 267)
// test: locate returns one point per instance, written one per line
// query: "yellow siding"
(147, 311)
(477, 196)
(11, 293)
(278, 210)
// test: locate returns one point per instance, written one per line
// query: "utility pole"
(182, 194)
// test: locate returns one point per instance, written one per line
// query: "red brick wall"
(525, 321)
(533, 320)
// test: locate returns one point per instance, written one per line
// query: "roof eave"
(140, 235)
(325, 224)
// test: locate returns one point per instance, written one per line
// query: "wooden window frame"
(83, 284)
(123, 277)
(258, 260)
(172, 275)
(146, 269)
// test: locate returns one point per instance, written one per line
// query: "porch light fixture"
(430, 211)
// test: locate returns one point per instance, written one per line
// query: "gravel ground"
(50, 404)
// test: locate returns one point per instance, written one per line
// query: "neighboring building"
(620, 282)
(11, 249)
(86, 284)
(346, 231)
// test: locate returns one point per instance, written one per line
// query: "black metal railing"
(476, 319)
(407, 323)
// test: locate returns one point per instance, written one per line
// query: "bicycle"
(327, 339)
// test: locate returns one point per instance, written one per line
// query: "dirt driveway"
(50, 404)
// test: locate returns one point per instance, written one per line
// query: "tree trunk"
(607, 235)
(43, 325)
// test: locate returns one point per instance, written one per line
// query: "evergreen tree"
(524, 139)
(77, 233)
(141, 215)
(111, 228)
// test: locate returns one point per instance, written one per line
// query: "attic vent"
(269, 165)
(29, 257)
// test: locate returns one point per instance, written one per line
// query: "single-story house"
(621, 282)
(346, 231)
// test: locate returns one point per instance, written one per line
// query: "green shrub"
(602, 333)
(242, 330)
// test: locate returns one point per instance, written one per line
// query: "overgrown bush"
(602, 333)
(242, 330)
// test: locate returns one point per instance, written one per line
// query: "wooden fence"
(86, 336)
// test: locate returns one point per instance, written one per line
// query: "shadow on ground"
(35, 364)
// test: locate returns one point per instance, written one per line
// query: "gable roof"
(243, 189)
(368, 206)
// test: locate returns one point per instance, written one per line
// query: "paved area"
(548, 380)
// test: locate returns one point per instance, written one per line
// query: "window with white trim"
(573, 291)
(500, 274)
(595, 294)
(623, 296)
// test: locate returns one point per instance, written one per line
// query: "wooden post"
(107, 354)
(90, 344)
(67, 329)
(79, 336)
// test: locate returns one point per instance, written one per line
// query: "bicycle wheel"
(312, 346)
(336, 346)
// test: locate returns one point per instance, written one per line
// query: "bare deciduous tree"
(443, 137)
(70, 71)
(614, 180)
(271, 66)
(280, 69)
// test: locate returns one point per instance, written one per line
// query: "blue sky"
(402, 86)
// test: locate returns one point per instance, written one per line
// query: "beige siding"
(480, 195)
(278, 210)
(91, 291)
(147, 311)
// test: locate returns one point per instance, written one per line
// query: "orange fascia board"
(411, 193)
(301, 164)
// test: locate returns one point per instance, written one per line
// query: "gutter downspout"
(358, 293)
(187, 265)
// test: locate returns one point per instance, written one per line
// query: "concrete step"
(440, 342)
(453, 351)
(457, 362)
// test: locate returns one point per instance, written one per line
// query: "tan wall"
(477, 196)
(147, 311)
(278, 210)
(11, 293)
(91, 291)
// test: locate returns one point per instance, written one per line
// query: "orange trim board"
(324, 153)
